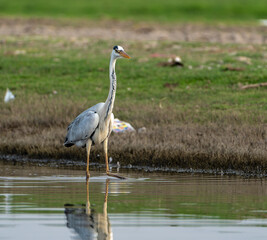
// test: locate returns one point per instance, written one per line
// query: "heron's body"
(90, 125)
(94, 125)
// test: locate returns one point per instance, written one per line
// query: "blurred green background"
(152, 10)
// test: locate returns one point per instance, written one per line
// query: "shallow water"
(48, 203)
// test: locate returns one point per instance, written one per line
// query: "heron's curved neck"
(112, 88)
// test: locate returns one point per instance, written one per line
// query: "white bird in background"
(94, 125)
(8, 96)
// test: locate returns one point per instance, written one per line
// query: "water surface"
(48, 203)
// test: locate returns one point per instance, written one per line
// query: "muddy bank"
(80, 165)
(242, 148)
(189, 148)
(171, 140)
(126, 30)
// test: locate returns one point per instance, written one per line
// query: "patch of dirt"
(126, 30)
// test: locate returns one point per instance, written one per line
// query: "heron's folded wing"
(82, 127)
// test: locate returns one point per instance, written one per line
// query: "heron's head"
(119, 52)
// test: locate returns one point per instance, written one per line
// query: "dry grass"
(38, 128)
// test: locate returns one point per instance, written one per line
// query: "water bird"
(8, 96)
(94, 125)
(172, 62)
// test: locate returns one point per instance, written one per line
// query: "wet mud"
(80, 165)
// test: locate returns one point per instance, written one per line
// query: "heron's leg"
(105, 145)
(88, 148)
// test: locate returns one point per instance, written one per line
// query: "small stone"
(141, 130)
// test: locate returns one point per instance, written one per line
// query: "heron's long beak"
(124, 54)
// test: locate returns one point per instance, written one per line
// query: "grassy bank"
(152, 10)
(196, 116)
(77, 69)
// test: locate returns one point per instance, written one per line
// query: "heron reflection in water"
(87, 223)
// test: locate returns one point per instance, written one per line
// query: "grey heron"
(94, 125)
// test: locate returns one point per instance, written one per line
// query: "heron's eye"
(117, 51)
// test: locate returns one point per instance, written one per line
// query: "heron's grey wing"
(82, 128)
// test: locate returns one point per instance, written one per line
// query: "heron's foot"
(115, 175)
(87, 175)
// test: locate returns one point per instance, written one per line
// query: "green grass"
(202, 120)
(80, 73)
(152, 10)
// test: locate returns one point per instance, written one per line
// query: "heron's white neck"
(112, 88)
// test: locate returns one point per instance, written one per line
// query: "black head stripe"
(116, 49)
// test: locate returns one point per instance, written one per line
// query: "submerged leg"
(105, 145)
(88, 148)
